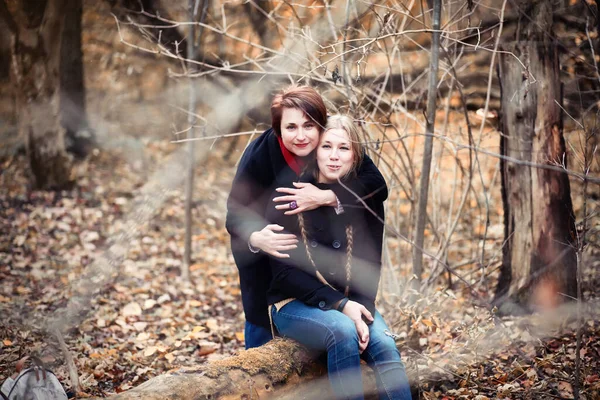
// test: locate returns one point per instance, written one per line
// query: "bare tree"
(36, 29)
(539, 256)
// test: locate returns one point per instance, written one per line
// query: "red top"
(296, 163)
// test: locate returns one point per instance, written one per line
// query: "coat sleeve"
(245, 204)
(294, 280)
(368, 184)
(366, 265)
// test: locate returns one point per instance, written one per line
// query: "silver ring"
(293, 205)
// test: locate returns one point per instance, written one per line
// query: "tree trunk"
(539, 260)
(36, 29)
(4, 51)
(281, 369)
(79, 137)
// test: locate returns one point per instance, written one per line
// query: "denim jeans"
(255, 335)
(335, 333)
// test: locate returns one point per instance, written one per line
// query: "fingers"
(287, 199)
(286, 190)
(300, 184)
(366, 313)
(285, 242)
(285, 206)
(283, 238)
(274, 227)
(363, 333)
(287, 247)
(294, 212)
(279, 255)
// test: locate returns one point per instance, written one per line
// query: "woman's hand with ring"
(304, 197)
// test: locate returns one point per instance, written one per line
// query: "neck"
(322, 179)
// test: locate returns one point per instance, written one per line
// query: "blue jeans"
(255, 335)
(335, 333)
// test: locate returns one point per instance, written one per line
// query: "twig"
(73, 376)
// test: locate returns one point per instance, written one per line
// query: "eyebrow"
(341, 144)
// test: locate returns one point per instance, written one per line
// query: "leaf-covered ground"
(146, 320)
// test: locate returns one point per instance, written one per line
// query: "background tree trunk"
(79, 138)
(539, 260)
(36, 29)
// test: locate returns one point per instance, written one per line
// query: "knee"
(382, 346)
(343, 332)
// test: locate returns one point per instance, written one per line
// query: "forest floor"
(147, 321)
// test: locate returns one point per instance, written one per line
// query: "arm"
(295, 278)
(247, 201)
(367, 252)
(243, 204)
(368, 184)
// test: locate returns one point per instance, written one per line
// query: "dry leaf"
(565, 389)
(148, 304)
(150, 351)
(142, 337)
(170, 357)
(132, 309)
(212, 324)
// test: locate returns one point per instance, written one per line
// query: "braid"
(350, 239)
(308, 254)
(305, 238)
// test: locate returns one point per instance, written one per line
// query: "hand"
(355, 312)
(306, 195)
(273, 243)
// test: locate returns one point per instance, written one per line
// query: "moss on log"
(280, 369)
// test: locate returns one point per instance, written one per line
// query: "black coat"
(261, 170)
(326, 238)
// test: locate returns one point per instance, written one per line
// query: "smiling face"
(299, 133)
(335, 155)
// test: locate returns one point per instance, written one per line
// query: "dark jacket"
(261, 170)
(326, 238)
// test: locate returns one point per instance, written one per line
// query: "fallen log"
(281, 369)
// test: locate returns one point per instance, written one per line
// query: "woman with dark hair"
(323, 296)
(273, 162)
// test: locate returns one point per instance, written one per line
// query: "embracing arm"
(244, 201)
(368, 184)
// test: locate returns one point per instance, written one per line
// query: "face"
(299, 133)
(334, 155)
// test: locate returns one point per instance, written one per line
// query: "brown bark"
(35, 59)
(281, 369)
(79, 138)
(539, 260)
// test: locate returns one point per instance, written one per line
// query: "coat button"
(336, 244)
(313, 243)
(321, 304)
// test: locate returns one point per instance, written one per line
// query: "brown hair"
(304, 98)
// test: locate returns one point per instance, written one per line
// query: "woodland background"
(99, 99)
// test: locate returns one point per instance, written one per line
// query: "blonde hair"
(347, 124)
